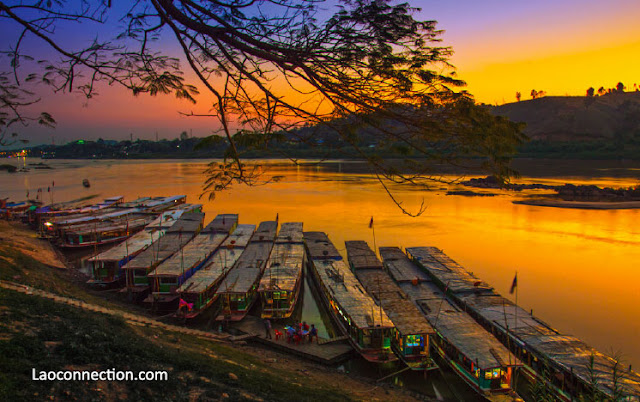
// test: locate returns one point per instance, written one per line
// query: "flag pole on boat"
(374, 235)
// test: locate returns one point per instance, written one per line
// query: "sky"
(501, 46)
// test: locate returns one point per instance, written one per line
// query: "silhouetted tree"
(369, 66)
(534, 94)
(601, 91)
(541, 94)
(518, 96)
(184, 136)
(620, 87)
(590, 91)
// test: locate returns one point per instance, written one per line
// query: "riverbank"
(581, 204)
(36, 332)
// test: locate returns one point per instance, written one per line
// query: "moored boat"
(567, 365)
(356, 314)
(198, 293)
(474, 354)
(137, 283)
(411, 337)
(238, 291)
(282, 279)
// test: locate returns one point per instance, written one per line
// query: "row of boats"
(410, 305)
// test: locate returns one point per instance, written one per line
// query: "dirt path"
(128, 317)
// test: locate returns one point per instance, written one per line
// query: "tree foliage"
(275, 66)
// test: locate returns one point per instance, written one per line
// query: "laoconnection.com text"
(104, 375)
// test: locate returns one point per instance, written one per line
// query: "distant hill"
(578, 118)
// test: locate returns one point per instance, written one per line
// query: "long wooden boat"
(238, 291)
(223, 223)
(566, 364)
(104, 233)
(355, 312)
(198, 293)
(137, 282)
(173, 272)
(282, 280)
(411, 338)
(106, 267)
(473, 353)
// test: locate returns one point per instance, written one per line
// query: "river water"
(579, 270)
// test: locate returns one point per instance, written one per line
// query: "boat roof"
(319, 246)
(341, 285)
(455, 325)
(290, 232)
(361, 256)
(159, 251)
(102, 216)
(188, 222)
(284, 267)
(402, 312)
(575, 356)
(568, 352)
(266, 232)
(247, 269)
(166, 219)
(240, 236)
(212, 272)
(223, 223)
(447, 270)
(108, 226)
(164, 200)
(192, 254)
(114, 199)
(400, 267)
(132, 245)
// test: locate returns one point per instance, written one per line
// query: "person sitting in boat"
(313, 332)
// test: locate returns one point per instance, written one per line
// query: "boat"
(137, 284)
(239, 289)
(282, 280)
(105, 233)
(222, 223)
(411, 338)
(368, 328)
(198, 293)
(473, 353)
(565, 363)
(106, 267)
(173, 272)
(86, 183)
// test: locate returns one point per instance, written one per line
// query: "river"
(578, 270)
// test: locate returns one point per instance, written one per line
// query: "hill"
(579, 127)
(577, 118)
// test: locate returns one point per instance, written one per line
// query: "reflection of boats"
(239, 288)
(86, 183)
(473, 353)
(413, 332)
(282, 279)
(367, 327)
(199, 291)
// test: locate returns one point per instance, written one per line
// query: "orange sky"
(501, 46)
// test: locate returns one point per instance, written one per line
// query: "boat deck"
(247, 269)
(240, 236)
(284, 267)
(451, 323)
(361, 256)
(266, 232)
(319, 246)
(223, 223)
(192, 254)
(290, 232)
(132, 245)
(324, 351)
